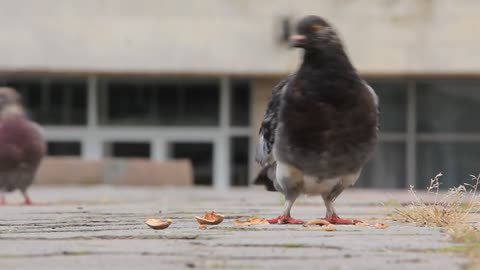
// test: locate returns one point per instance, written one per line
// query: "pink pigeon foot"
(334, 219)
(28, 201)
(285, 220)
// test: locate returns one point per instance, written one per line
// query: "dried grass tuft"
(453, 211)
(464, 233)
(449, 209)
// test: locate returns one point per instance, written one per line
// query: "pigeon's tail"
(266, 177)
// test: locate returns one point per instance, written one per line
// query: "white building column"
(411, 152)
(92, 145)
(159, 149)
(92, 148)
(221, 161)
(221, 153)
(253, 135)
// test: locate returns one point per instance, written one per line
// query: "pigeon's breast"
(325, 160)
(20, 142)
(324, 140)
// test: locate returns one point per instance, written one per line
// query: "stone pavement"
(102, 227)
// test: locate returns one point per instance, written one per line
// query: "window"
(392, 99)
(64, 148)
(201, 156)
(128, 149)
(159, 102)
(150, 106)
(386, 169)
(53, 101)
(199, 103)
(456, 161)
(240, 103)
(239, 152)
(448, 106)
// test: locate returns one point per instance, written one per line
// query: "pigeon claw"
(28, 201)
(340, 221)
(285, 220)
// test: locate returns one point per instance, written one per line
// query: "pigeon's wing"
(375, 98)
(265, 177)
(374, 95)
(21, 143)
(269, 124)
(10, 156)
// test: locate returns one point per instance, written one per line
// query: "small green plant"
(449, 209)
(292, 245)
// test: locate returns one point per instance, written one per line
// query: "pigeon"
(321, 124)
(22, 146)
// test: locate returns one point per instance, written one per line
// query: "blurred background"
(172, 92)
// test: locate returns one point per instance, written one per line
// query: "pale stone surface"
(103, 228)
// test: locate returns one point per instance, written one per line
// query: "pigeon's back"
(21, 151)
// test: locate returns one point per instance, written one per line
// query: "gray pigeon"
(21, 146)
(321, 124)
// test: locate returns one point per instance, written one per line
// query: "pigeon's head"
(10, 102)
(314, 33)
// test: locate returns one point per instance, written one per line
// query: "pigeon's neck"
(327, 75)
(12, 111)
(331, 59)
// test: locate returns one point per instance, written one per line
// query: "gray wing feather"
(269, 125)
(375, 99)
(374, 95)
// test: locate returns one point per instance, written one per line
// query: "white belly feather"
(312, 186)
(289, 176)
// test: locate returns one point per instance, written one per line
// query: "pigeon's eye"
(317, 28)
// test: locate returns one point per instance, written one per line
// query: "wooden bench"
(75, 171)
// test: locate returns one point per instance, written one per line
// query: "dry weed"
(453, 211)
(464, 233)
(447, 210)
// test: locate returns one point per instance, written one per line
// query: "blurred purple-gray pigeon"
(21, 146)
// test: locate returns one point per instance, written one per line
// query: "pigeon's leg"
(2, 198)
(331, 215)
(285, 218)
(26, 197)
(289, 182)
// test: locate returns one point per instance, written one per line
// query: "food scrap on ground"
(210, 218)
(317, 221)
(330, 228)
(157, 224)
(381, 225)
(251, 221)
(361, 224)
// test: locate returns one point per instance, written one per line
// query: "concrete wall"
(234, 36)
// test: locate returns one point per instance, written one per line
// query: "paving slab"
(102, 227)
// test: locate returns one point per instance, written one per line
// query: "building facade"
(190, 79)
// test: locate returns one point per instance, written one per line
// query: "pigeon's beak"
(297, 40)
